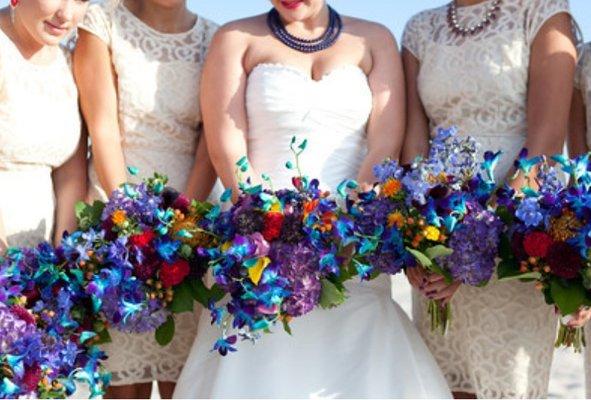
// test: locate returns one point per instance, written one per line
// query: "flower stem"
(440, 316)
(571, 337)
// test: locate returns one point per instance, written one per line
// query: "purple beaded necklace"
(328, 38)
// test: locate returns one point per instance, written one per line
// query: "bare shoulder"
(244, 29)
(375, 33)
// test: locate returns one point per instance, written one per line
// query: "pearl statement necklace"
(459, 30)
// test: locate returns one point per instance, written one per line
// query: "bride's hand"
(580, 318)
(438, 289)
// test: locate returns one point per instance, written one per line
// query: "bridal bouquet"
(278, 258)
(434, 214)
(138, 254)
(548, 236)
(46, 335)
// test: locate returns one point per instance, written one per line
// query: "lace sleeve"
(538, 12)
(583, 74)
(413, 36)
(97, 21)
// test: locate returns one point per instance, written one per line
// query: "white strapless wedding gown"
(366, 348)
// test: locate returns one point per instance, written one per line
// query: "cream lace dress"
(39, 131)
(501, 340)
(583, 84)
(158, 79)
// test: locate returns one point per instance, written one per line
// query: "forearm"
(108, 161)
(70, 187)
(203, 176)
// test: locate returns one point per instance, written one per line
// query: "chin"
(50, 40)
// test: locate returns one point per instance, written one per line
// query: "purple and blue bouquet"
(428, 214)
(47, 342)
(278, 258)
(547, 239)
(139, 256)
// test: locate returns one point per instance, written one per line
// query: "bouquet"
(428, 214)
(278, 257)
(46, 336)
(139, 256)
(547, 236)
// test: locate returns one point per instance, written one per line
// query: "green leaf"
(505, 249)
(286, 326)
(165, 332)
(526, 276)
(203, 207)
(420, 257)
(508, 270)
(505, 215)
(568, 296)
(103, 337)
(438, 251)
(183, 299)
(203, 295)
(331, 296)
(89, 215)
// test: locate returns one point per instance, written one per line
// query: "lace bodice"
(478, 83)
(39, 118)
(331, 114)
(158, 79)
(583, 83)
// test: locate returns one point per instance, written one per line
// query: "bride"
(285, 74)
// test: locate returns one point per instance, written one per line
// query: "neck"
(174, 19)
(466, 3)
(311, 27)
(29, 47)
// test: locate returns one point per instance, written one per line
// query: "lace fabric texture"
(158, 80)
(39, 131)
(501, 340)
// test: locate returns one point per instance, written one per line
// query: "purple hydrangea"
(475, 245)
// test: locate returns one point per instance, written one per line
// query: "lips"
(56, 30)
(291, 5)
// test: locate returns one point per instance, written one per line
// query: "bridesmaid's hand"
(580, 318)
(437, 288)
(417, 277)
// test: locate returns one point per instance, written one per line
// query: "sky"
(392, 13)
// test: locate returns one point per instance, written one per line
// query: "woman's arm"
(203, 176)
(416, 140)
(577, 130)
(70, 187)
(385, 129)
(223, 92)
(96, 82)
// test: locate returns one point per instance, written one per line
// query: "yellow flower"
(255, 273)
(391, 188)
(119, 217)
(564, 227)
(396, 219)
(432, 233)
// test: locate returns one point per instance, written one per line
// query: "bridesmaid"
(42, 151)
(579, 142)
(138, 68)
(502, 71)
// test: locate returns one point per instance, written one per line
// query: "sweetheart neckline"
(308, 77)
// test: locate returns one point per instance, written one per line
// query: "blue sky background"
(392, 13)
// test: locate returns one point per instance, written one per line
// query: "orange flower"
(119, 217)
(392, 187)
(309, 207)
(396, 219)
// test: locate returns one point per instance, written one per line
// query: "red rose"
(272, 227)
(537, 244)
(143, 239)
(564, 260)
(23, 314)
(31, 378)
(173, 274)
